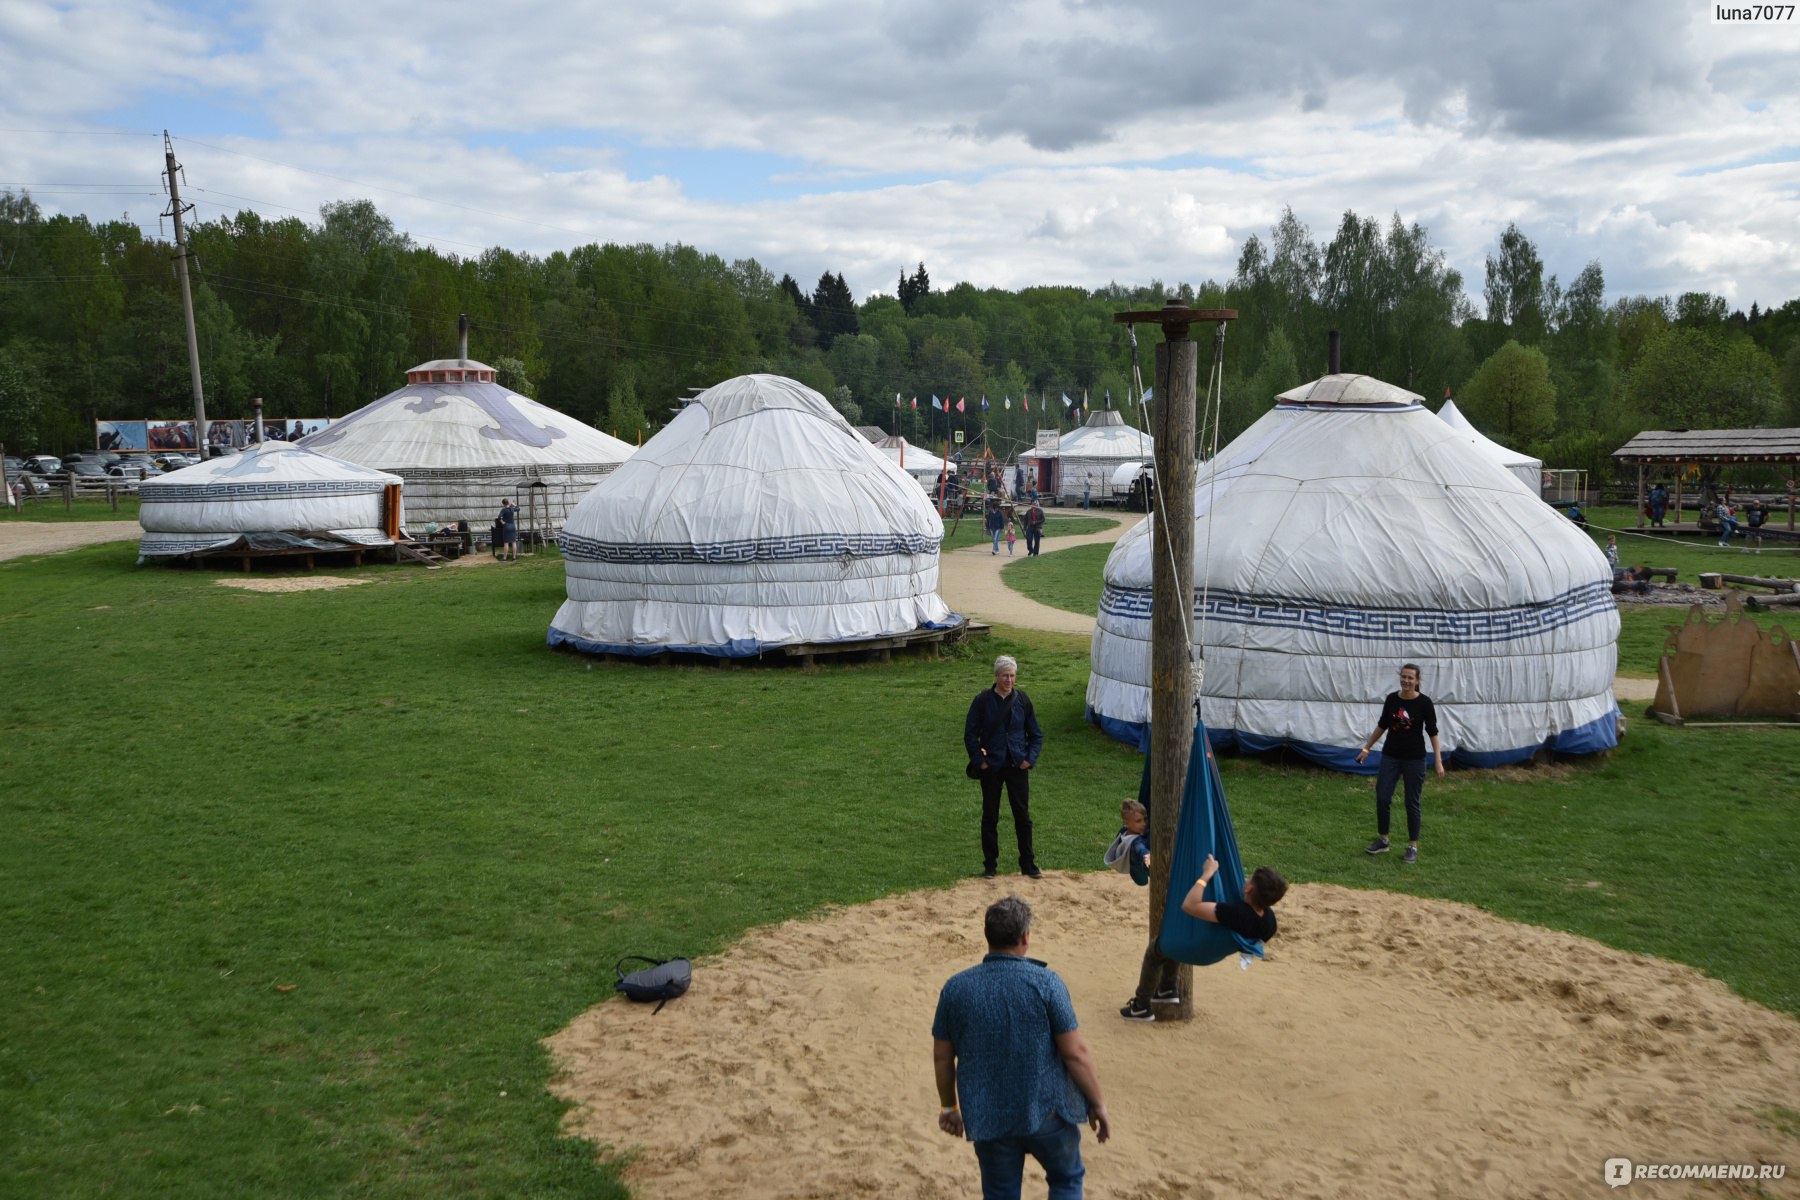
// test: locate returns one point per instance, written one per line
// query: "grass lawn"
(294, 883)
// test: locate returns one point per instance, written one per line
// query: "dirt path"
(22, 539)
(969, 580)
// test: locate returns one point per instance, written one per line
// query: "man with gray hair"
(1003, 739)
(1014, 1075)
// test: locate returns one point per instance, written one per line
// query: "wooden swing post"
(1172, 424)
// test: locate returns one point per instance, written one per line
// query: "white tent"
(1092, 455)
(756, 518)
(277, 496)
(1526, 469)
(464, 444)
(916, 461)
(1345, 533)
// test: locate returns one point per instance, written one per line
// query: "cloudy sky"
(1003, 143)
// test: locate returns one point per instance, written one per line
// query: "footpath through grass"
(289, 914)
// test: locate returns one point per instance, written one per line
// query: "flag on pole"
(1067, 403)
(896, 399)
(959, 406)
(1109, 398)
(937, 404)
(1148, 392)
(1006, 403)
(984, 404)
(1025, 399)
(915, 404)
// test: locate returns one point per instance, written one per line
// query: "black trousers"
(1017, 782)
(1034, 538)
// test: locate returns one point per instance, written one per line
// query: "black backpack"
(661, 981)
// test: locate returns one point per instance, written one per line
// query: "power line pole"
(176, 212)
(1172, 699)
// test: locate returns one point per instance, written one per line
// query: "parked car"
(134, 468)
(43, 465)
(174, 462)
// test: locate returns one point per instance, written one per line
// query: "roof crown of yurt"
(275, 497)
(466, 445)
(757, 518)
(1349, 531)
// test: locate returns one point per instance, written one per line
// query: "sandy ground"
(1388, 1047)
(20, 539)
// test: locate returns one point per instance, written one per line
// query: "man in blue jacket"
(1014, 1074)
(1002, 737)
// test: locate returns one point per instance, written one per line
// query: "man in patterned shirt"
(1005, 1043)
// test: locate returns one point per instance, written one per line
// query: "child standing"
(1612, 551)
(1011, 537)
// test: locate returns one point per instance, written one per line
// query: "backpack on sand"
(661, 981)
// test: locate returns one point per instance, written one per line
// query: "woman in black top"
(1407, 718)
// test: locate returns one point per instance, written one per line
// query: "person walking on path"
(994, 520)
(1659, 505)
(1086, 486)
(1034, 529)
(1014, 1075)
(1407, 718)
(1003, 739)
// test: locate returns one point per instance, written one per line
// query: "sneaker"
(1137, 1010)
(1411, 855)
(1378, 846)
(1031, 873)
(1171, 996)
(988, 873)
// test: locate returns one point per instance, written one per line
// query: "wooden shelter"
(1680, 448)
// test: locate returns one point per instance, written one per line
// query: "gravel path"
(21, 539)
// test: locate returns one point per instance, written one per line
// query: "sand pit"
(1406, 1048)
(289, 583)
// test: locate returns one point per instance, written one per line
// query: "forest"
(319, 318)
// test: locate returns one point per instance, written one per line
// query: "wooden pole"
(1640, 496)
(176, 212)
(1172, 607)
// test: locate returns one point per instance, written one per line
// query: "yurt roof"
(1106, 434)
(894, 445)
(453, 415)
(272, 469)
(1453, 417)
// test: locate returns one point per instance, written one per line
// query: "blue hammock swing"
(1205, 828)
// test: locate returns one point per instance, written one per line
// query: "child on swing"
(1249, 917)
(1129, 853)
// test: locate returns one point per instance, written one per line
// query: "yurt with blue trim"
(1345, 533)
(757, 518)
(275, 497)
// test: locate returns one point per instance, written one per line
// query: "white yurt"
(1345, 533)
(1091, 455)
(464, 444)
(275, 497)
(916, 461)
(1526, 469)
(756, 518)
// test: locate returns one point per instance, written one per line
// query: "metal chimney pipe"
(256, 404)
(462, 336)
(1334, 353)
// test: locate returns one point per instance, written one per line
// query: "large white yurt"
(1526, 469)
(1091, 454)
(464, 444)
(916, 461)
(275, 497)
(1345, 533)
(756, 518)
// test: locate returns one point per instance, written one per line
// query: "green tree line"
(319, 318)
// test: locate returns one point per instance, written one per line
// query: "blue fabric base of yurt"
(1591, 738)
(741, 648)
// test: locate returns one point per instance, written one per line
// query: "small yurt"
(1090, 455)
(1526, 469)
(464, 444)
(1345, 533)
(916, 461)
(275, 497)
(757, 518)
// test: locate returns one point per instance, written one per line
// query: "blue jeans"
(1057, 1147)
(997, 533)
(1390, 772)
